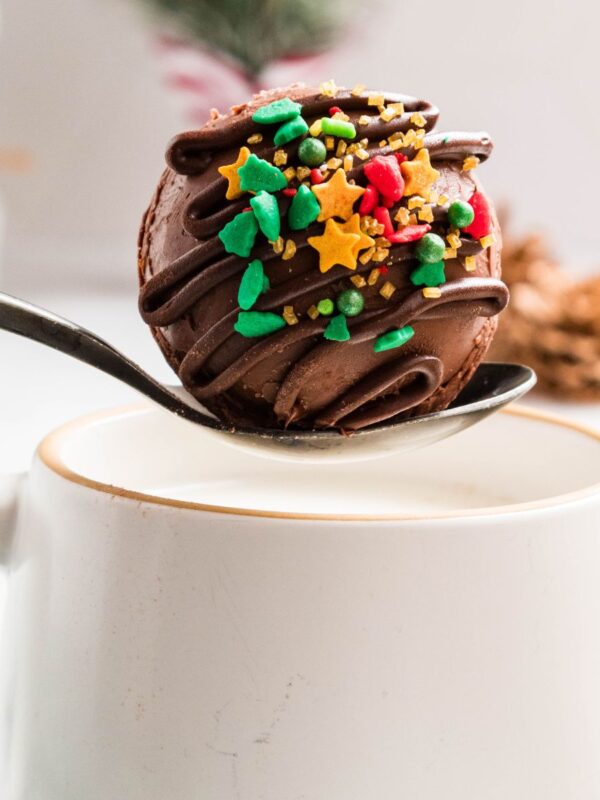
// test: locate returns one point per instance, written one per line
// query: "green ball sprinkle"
(251, 285)
(430, 248)
(460, 214)
(277, 111)
(257, 174)
(304, 209)
(337, 329)
(325, 307)
(290, 130)
(312, 152)
(239, 234)
(350, 302)
(338, 127)
(258, 323)
(266, 211)
(429, 274)
(388, 341)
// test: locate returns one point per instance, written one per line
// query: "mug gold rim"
(48, 452)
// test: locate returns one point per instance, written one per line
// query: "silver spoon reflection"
(492, 387)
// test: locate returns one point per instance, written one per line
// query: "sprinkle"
(337, 196)
(409, 137)
(277, 111)
(334, 163)
(387, 290)
(380, 254)
(428, 274)
(337, 329)
(469, 163)
(257, 174)
(341, 148)
(418, 144)
(289, 315)
(289, 192)
(255, 138)
(302, 173)
(365, 257)
(412, 219)
(443, 199)
(231, 173)
(313, 312)
(425, 214)
(290, 250)
(397, 136)
(239, 234)
(325, 307)
(430, 248)
(335, 246)
(449, 252)
(415, 202)
(312, 152)
(358, 89)
(266, 211)
(402, 216)
(304, 209)
(487, 241)
(364, 119)
(290, 130)
(290, 173)
(334, 110)
(278, 246)
(329, 142)
(258, 323)
(348, 163)
(375, 100)
(461, 214)
(397, 107)
(316, 176)
(338, 127)
(358, 281)
(280, 158)
(362, 154)
(392, 339)
(482, 221)
(328, 88)
(432, 292)
(350, 302)
(470, 263)
(453, 240)
(251, 285)
(373, 277)
(315, 128)
(388, 114)
(418, 119)
(396, 144)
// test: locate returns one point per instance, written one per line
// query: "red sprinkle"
(289, 191)
(382, 215)
(334, 110)
(316, 176)
(248, 208)
(383, 270)
(410, 233)
(482, 223)
(384, 173)
(400, 157)
(369, 200)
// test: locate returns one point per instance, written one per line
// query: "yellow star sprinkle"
(335, 247)
(419, 174)
(230, 171)
(353, 226)
(337, 197)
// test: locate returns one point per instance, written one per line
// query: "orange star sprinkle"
(337, 196)
(230, 171)
(419, 174)
(353, 226)
(335, 247)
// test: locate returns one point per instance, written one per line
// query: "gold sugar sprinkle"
(449, 252)
(373, 276)
(387, 290)
(290, 250)
(364, 119)
(443, 199)
(365, 257)
(432, 292)
(315, 128)
(329, 142)
(425, 214)
(402, 216)
(397, 107)
(383, 143)
(453, 240)
(362, 154)
(313, 312)
(328, 88)
(394, 137)
(418, 119)
(302, 173)
(381, 241)
(470, 162)
(341, 148)
(358, 89)
(341, 115)
(334, 163)
(255, 138)
(278, 245)
(487, 241)
(470, 264)
(358, 281)
(375, 100)
(415, 201)
(396, 144)
(348, 163)
(412, 219)
(280, 158)
(388, 114)
(290, 173)
(418, 144)
(380, 254)
(289, 315)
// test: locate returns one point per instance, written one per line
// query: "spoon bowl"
(492, 387)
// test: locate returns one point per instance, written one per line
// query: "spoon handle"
(32, 322)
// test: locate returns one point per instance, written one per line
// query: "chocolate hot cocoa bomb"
(320, 258)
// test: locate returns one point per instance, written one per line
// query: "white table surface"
(41, 389)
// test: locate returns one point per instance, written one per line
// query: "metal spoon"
(491, 388)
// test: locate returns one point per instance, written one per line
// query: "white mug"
(190, 622)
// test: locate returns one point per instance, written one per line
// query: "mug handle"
(9, 495)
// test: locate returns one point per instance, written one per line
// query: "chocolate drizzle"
(402, 381)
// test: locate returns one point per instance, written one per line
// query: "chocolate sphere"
(247, 339)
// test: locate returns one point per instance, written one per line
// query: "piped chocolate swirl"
(379, 294)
